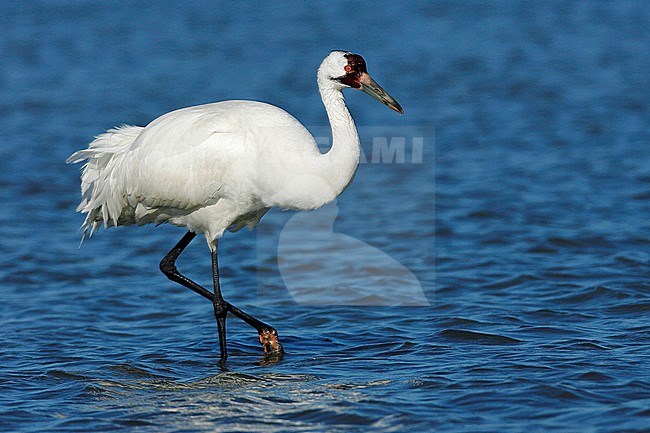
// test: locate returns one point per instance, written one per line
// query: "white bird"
(223, 166)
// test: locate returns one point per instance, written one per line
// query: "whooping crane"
(223, 166)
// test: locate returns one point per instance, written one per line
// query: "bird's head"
(349, 70)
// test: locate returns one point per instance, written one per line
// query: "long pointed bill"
(370, 86)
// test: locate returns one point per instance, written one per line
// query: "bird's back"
(188, 160)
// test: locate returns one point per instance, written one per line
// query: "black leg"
(220, 307)
(168, 267)
(268, 335)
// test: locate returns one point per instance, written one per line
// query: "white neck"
(338, 166)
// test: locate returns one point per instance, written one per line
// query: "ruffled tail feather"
(103, 177)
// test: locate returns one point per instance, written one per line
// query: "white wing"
(181, 160)
(186, 160)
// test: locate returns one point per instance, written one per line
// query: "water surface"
(500, 284)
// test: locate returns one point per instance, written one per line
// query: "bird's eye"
(348, 68)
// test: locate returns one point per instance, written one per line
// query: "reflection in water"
(244, 401)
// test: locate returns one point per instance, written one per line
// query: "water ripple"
(525, 226)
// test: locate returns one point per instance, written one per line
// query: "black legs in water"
(220, 308)
(268, 336)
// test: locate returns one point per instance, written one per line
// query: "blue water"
(500, 283)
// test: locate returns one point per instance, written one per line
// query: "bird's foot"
(270, 342)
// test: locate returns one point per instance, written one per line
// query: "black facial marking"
(355, 67)
(356, 62)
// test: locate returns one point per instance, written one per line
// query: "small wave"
(326, 416)
(557, 314)
(642, 196)
(578, 241)
(135, 371)
(582, 345)
(639, 307)
(541, 249)
(599, 293)
(532, 367)
(545, 331)
(633, 258)
(461, 321)
(477, 337)
(65, 375)
(512, 282)
(593, 376)
(555, 391)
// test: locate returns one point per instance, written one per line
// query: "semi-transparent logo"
(321, 266)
